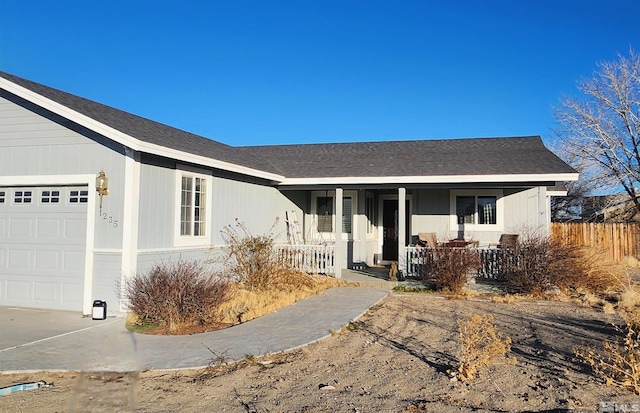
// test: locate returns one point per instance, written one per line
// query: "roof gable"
(144, 130)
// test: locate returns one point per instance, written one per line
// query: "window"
(2, 195)
(193, 193)
(477, 210)
(324, 212)
(22, 197)
(78, 197)
(370, 212)
(50, 197)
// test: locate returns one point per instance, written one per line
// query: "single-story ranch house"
(67, 236)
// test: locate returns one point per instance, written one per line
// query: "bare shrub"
(481, 345)
(618, 361)
(540, 263)
(252, 260)
(450, 267)
(176, 294)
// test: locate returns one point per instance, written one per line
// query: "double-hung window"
(193, 209)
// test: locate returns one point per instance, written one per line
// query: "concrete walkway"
(35, 340)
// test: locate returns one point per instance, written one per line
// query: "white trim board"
(434, 179)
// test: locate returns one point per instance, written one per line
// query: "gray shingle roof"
(477, 156)
(146, 130)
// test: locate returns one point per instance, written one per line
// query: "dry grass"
(246, 304)
(617, 361)
(481, 345)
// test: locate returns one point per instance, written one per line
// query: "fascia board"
(128, 140)
(442, 179)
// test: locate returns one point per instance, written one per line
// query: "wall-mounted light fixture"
(102, 186)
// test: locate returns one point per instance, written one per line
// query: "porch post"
(338, 234)
(402, 233)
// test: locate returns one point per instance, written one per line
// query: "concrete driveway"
(25, 326)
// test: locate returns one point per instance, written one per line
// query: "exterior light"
(102, 186)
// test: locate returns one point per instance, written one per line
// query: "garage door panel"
(73, 261)
(18, 290)
(71, 292)
(48, 228)
(20, 228)
(75, 230)
(42, 249)
(48, 260)
(45, 292)
(19, 259)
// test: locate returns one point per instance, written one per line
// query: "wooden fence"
(619, 239)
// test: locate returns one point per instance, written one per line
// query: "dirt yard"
(394, 359)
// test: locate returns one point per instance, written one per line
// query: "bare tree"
(599, 133)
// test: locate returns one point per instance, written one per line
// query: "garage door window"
(22, 197)
(2, 194)
(50, 197)
(78, 197)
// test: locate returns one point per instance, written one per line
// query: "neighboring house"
(171, 192)
(609, 208)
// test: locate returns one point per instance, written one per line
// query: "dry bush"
(252, 260)
(176, 295)
(618, 362)
(481, 345)
(540, 263)
(450, 267)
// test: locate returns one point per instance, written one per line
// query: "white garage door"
(42, 246)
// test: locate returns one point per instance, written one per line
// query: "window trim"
(180, 240)
(453, 216)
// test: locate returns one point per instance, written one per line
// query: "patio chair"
(508, 241)
(428, 239)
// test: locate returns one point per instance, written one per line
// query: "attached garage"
(43, 241)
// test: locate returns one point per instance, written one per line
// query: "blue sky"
(274, 72)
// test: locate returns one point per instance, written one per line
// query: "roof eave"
(128, 140)
(436, 179)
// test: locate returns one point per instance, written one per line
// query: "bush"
(618, 362)
(450, 267)
(481, 345)
(539, 264)
(176, 294)
(252, 260)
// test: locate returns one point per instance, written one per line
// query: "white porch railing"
(313, 259)
(493, 261)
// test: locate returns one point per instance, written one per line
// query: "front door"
(390, 225)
